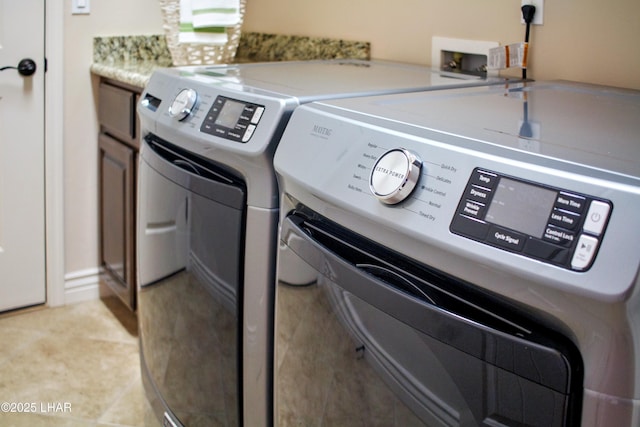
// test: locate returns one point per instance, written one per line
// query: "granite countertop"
(132, 59)
(129, 59)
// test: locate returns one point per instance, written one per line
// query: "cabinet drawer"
(116, 111)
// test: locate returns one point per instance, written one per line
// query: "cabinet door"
(116, 112)
(117, 207)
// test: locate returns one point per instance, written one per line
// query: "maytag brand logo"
(321, 131)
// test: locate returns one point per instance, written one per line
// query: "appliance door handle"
(365, 273)
(172, 156)
(357, 278)
(331, 252)
(360, 273)
(194, 174)
(187, 166)
(387, 275)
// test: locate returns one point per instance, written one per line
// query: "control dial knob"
(183, 104)
(395, 175)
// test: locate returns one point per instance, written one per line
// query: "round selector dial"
(182, 105)
(395, 175)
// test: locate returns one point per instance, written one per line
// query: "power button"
(596, 217)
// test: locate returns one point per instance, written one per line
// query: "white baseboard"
(82, 285)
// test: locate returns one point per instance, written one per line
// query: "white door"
(22, 197)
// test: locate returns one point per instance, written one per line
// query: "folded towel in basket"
(209, 29)
(215, 13)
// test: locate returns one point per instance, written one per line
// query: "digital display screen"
(521, 207)
(230, 114)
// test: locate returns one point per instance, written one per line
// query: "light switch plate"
(80, 7)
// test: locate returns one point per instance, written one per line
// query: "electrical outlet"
(538, 18)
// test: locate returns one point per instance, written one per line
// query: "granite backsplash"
(132, 59)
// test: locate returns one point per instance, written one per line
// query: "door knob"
(26, 67)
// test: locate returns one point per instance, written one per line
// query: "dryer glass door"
(383, 340)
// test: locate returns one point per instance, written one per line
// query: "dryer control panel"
(550, 224)
(232, 119)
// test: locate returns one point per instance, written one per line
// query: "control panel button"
(479, 194)
(558, 235)
(484, 179)
(596, 217)
(248, 133)
(474, 209)
(257, 115)
(565, 219)
(570, 202)
(585, 252)
(395, 175)
(506, 238)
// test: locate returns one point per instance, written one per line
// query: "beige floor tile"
(15, 340)
(35, 420)
(100, 319)
(88, 374)
(126, 409)
(84, 355)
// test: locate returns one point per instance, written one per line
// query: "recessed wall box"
(460, 55)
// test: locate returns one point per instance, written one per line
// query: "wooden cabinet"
(118, 144)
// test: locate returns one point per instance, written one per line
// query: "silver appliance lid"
(323, 79)
(581, 124)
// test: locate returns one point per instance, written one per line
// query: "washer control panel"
(232, 119)
(549, 224)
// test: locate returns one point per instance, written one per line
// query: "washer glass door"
(190, 242)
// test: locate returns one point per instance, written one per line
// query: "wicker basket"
(197, 54)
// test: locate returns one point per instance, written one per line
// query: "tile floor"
(76, 365)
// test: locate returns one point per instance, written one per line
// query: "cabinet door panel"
(117, 201)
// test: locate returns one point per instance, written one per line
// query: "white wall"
(107, 18)
(584, 40)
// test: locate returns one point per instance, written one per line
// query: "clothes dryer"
(207, 223)
(477, 257)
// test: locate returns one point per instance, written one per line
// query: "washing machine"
(207, 223)
(474, 256)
